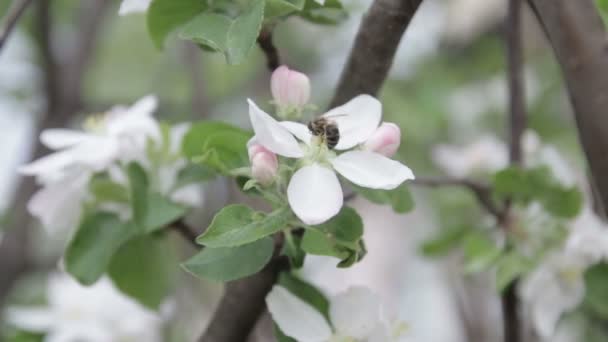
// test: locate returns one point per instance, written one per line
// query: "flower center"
(95, 123)
(317, 152)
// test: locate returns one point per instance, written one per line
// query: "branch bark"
(578, 37)
(374, 48)
(15, 13)
(265, 42)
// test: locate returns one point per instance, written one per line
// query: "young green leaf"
(231, 263)
(92, 247)
(234, 37)
(143, 268)
(238, 224)
(510, 266)
(480, 252)
(164, 16)
(106, 190)
(596, 296)
(138, 184)
(447, 240)
(279, 8)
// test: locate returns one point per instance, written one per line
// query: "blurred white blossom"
(97, 313)
(355, 315)
(133, 6)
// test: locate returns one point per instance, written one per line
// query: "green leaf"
(399, 198)
(194, 173)
(280, 335)
(151, 210)
(238, 224)
(445, 241)
(330, 13)
(92, 247)
(218, 145)
(596, 295)
(509, 267)
(106, 190)
(233, 37)
(231, 263)
(164, 16)
(306, 292)
(293, 250)
(143, 269)
(602, 6)
(279, 8)
(346, 227)
(317, 242)
(480, 252)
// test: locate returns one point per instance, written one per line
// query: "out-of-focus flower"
(385, 140)
(557, 286)
(485, 155)
(121, 134)
(314, 192)
(133, 6)
(264, 164)
(355, 315)
(98, 313)
(290, 90)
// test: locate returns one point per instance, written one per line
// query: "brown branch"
(374, 48)
(15, 13)
(270, 51)
(517, 125)
(482, 191)
(578, 37)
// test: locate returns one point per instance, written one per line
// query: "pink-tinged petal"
(297, 318)
(301, 131)
(264, 167)
(314, 194)
(57, 138)
(357, 120)
(289, 88)
(371, 170)
(355, 312)
(385, 140)
(271, 134)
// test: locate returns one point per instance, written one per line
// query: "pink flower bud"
(264, 164)
(385, 140)
(290, 89)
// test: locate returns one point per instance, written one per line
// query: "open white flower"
(97, 313)
(355, 316)
(314, 192)
(133, 6)
(121, 134)
(557, 286)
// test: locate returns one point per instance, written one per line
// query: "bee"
(327, 129)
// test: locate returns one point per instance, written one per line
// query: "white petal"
(299, 130)
(271, 134)
(49, 164)
(355, 312)
(133, 6)
(320, 2)
(61, 138)
(31, 319)
(371, 170)
(314, 194)
(295, 317)
(357, 120)
(191, 195)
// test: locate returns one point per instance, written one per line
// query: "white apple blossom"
(120, 135)
(98, 313)
(314, 192)
(557, 286)
(133, 6)
(356, 315)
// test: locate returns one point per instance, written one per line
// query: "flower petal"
(52, 163)
(355, 312)
(314, 194)
(133, 6)
(271, 134)
(371, 170)
(57, 138)
(297, 318)
(299, 130)
(357, 120)
(31, 319)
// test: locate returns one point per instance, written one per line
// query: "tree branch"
(578, 37)
(374, 48)
(266, 44)
(482, 191)
(13, 16)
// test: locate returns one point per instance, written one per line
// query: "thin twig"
(482, 191)
(15, 13)
(266, 44)
(517, 125)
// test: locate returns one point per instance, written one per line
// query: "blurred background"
(447, 91)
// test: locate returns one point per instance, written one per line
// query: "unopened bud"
(385, 140)
(264, 164)
(290, 89)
